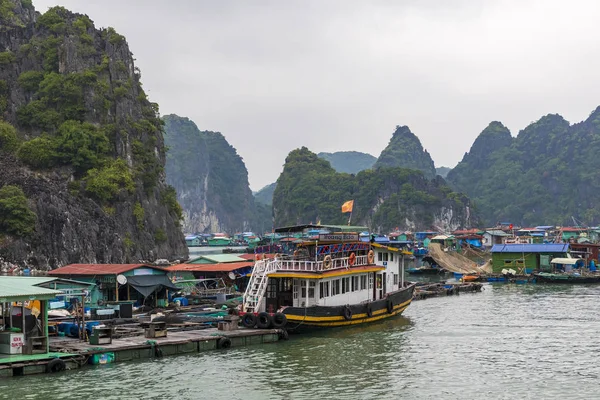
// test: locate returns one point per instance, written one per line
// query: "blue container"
(457, 275)
(182, 301)
(64, 327)
(87, 310)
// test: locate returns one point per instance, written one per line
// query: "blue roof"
(531, 248)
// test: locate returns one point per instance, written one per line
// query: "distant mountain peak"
(351, 162)
(405, 150)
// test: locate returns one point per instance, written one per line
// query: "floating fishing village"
(256, 290)
(298, 200)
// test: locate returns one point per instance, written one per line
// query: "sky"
(333, 75)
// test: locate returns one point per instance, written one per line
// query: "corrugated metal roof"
(531, 248)
(218, 258)
(98, 269)
(221, 267)
(497, 232)
(252, 257)
(14, 288)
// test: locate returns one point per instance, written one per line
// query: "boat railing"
(317, 266)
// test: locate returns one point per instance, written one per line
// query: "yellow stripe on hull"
(341, 321)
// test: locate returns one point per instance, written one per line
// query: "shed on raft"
(524, 258)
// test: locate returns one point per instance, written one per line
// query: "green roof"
(17, 288)
(217, 258)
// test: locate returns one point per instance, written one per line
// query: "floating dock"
(73, 353)
(426, 291)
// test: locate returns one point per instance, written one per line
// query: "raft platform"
(182, 342)
(445, 289)
(71, 353)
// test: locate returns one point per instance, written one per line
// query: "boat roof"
(334, 228)
(565, 261)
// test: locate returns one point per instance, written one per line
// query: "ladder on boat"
(257, 286)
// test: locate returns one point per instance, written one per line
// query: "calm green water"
(509, 342)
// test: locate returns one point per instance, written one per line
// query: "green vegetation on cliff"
(405, 150)
(545, 175)
(350, 162)
(79, 118)
(211, 180)
(310, 190)
(15, 216)
(265, 195)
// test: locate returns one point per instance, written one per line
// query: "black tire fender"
(390, 306)
(223, 343)
(249, 320)
(279, 320)
(369, 310)
(56, 365)
(264, 320)
(347, 313)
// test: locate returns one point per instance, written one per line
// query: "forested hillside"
(81, 150)
(545, 175)
(351, 162)
(211, 181)
(405, 150)
(310, 190)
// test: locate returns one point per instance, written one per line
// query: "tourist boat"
(331, 280)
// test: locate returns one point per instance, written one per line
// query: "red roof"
(466, 231)
(98, 269)
(220, 267)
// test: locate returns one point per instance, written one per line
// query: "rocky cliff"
(82, 143)
(405, 150)
(211, 180)
(310, 190)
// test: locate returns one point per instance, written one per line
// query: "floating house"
(193, 241)
(493, 236)
(24, 343)
(118, 283)
(219, 239)
(525, 258)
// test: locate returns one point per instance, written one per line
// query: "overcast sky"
(340, 74)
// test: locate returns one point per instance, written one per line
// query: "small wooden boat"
(470, 278)
(425, 271)
(571, 278)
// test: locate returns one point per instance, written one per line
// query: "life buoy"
(369, 310)
(279, 320)
(263, 320)
(223, 343)
(249, 320)
(327, 262)
(390, 306)
(352, 259)
(258, 257)
(347, 313)
(371, 257)
(56, 365)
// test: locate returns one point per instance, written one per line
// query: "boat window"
(391, 256)
(363, 282)
(335, 287)
(324, 289)
(379, 256)
(345, 285)
(385, 256)
(311, 289)
(355, 283)
(370, 281)
(395, 279)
